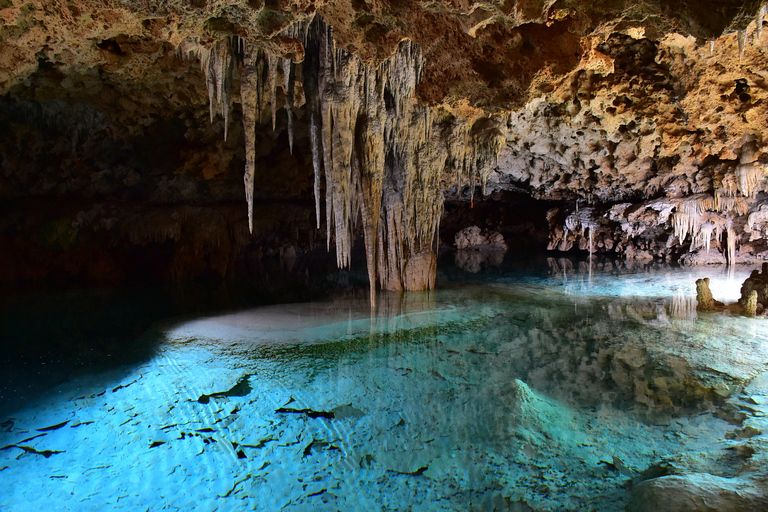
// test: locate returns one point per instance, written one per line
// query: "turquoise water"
(518, 391)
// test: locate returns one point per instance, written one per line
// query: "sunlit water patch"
(524, 392)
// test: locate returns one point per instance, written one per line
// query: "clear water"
(546, 390)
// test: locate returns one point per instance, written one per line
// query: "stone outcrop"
(632, 140)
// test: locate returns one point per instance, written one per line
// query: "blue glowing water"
(542, 391)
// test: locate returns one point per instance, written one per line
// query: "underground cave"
(383, 255)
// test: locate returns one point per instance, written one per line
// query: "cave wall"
(661, 144)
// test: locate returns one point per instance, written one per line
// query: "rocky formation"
(704, 300)
(753, 300)
(474, 238)
(478, 248)
(754, 292)
(642, 122)
(656, 146)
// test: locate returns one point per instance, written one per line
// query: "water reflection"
(544, 391)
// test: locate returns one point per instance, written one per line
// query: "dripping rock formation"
(186, 138)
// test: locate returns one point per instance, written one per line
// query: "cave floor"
(553, 390)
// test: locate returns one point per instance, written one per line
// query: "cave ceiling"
(495, 55)
(650, 115)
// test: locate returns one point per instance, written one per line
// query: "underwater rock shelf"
(518, 393)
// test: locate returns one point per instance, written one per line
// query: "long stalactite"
(377, 153)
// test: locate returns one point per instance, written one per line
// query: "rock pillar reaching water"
(374, 149)
(379, 157)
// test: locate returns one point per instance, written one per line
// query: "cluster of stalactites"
(582, 221)
(259, 82)
(372, 144)
(473, 151)
(259, 74)
(705, 216)
(700, 217)
(218, 63)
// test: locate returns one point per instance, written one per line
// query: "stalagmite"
(704, 299)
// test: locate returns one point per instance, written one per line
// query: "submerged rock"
(698, 492)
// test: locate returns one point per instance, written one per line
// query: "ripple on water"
(520, 392)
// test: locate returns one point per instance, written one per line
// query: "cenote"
(387, 255)
(557, 388)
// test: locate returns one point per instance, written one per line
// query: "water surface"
(550, 390)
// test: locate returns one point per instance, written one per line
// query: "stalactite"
(705, 235)
(289, 73)
(260, 70)
(582, 222)
(250, 85)
(749, 176)
(688, 218)
(217, 63)
(759, 17)
(372, 144)
(741, 37)
(272, 63)
(703, 217)
(731, 244)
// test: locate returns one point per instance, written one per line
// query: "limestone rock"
(750, 304)
(474, 238)
(754, 292)
(704, 299)
(698, 492)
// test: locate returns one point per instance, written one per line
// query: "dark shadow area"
(48, 336)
